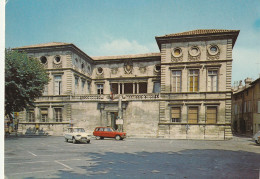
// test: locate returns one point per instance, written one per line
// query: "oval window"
(57, 59)
(194, 51)
(213, 50)
(157, 68)
(43, 60)
(177, 52)
(100, 70)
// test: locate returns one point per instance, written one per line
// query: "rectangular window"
(44, 115)
(249, 106)
(193, 115)
(211, 115)
(258, 107)
(142, 87)
(194, 80)
(212, 80)
(76, 85)
(128, 88)
(114, 88)
(156, 87)
(83, 86)
(100, 89)
(31, 115)
(245, 107)
(235, 109)
(89, 88)
(176, 81)
(58, 114)
(176, 114)
(57, 85)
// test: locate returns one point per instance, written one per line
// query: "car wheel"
(118, 137)
(101, 138)
(257, 141)
(98, 137)
(74, 140)
(66, 140)
(88, 141)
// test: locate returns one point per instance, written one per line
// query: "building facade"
(183, 92)
(246, 107)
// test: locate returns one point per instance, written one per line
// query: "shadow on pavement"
(184, 164)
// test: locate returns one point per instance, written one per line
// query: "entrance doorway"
(114, 116)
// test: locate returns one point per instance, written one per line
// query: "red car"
(108, 132)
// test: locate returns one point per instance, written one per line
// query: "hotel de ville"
(183, 92)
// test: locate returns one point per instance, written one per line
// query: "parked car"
(108, 132)
(256, 137)
(77, 134)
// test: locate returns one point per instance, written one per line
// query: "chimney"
(240, 84)
(248, 81)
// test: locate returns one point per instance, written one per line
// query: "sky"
(118, 27)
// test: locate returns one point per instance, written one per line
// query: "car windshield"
(78, 130)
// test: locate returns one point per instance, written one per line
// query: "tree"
(25, 79)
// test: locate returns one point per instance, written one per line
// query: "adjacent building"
(183, 92)
(246, 107)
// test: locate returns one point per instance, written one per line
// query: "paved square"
(51, 157)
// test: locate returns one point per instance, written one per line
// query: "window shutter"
(196, 83)
(178, 83)
(176, 112)
(44, 111)
(193, 115)
(174, 84)
(56, 87)
(211, 115)
(191, 84)
(214, 83)
(209, 83)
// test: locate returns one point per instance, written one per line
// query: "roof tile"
(199, 32)
(44, 45)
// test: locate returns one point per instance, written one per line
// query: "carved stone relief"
(114, 70)
(128, 67)
(142, 69)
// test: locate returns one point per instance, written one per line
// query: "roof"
(246, 87)
(256, 81)
(50, 44)
(126, 56)
(199, 32)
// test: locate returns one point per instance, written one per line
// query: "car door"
(98, 132)
(109, 132)
(68, 134)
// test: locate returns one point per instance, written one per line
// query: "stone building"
(246, 107)
(183, 92)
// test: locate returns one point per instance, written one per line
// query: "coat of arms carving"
(128, 67)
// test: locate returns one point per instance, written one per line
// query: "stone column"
(123, 88)
(37, 114)
(51, 114)
(133, 88)
(118, 88)
(137, 88)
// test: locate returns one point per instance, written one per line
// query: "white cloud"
(122, 47)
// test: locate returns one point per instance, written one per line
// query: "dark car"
(108, 132)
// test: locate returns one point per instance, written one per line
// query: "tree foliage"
(24, 81)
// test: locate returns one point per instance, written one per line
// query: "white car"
(77, 134)
(256, 137)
